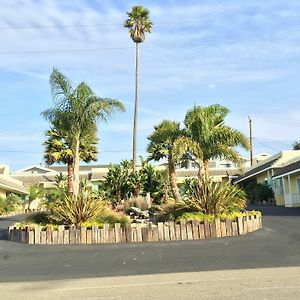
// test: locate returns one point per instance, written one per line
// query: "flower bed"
(131, 233)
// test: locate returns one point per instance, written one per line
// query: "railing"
(132, 233)
(291, 199)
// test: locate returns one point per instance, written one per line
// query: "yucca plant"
(76, 210)
(213, 198)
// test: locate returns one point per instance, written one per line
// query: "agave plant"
(77, 210)
(213, 198)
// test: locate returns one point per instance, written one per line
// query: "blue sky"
(242, 54)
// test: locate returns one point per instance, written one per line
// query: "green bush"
(201, 217)
(257, 192)
(10, 204)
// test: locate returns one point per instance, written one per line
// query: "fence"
(131, 233)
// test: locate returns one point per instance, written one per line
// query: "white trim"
(34, 166)
(252, 175)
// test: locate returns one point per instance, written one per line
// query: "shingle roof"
(82, 168)
(287, 169)
(257, 169)
(211, 172)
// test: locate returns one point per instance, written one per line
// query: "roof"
(82, 168)
(12, 185)
(31, 179)
(44, 169)
(291, 168)
(211, 172)
(265, 165)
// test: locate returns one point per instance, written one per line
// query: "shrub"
(213, 198)
(76, 210)
(10, 204)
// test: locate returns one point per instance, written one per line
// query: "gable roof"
(258, 169)
(27, 169)
(291, 168)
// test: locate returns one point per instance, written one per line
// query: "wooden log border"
(135, 233)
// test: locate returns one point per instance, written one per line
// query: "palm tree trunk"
(135, 105)
(173, 183)
(76, 179)
(70, 178)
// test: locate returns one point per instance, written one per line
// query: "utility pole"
(250, 140)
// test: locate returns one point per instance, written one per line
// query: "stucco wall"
(2, 193)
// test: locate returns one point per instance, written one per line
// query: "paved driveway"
(276, 245)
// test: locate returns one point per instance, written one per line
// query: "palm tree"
(138, 23)
(164, 144)
(206, 128)
(57, 150)
(76, 111)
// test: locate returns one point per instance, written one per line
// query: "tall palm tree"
(138, 23)
(77, 109)
(206, 127)
(57, 150)
(163, 144)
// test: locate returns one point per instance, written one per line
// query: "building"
(267, 170)
(286, 184)
(8, 184)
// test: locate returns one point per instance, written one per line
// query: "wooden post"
(223, 229)
(66, 236)
(61, 234)
(206, 229)
(228, 226)
(94, 234)
(43, 237)
(240, 225)
(213, 231)
(166, 232)
(106, 233)
(72, 235)
(77, 236)
(30, 237)
(189, 231)
(177, 232)
(118, 232)
(160, 227)
(37, 234)
(49, 235)
(128, 233)
(83, 235)
(172, 231)
(183, 230)
(201, 232)
(89, 236)
(234, 228)
(54, 237)
(145, 234)
(155, 234)
(150, 232)
(195, 226)
(218, 228)
(139, 237)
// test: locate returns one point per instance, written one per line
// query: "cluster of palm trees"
(204, 136)
(76, 109)
(73, 125)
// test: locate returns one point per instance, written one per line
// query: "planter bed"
(132, 233)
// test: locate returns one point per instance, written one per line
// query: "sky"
(241, 54)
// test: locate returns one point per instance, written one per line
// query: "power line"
(202, 20)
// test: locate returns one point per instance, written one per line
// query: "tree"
(164, 143)
(75, 112)
(138, 23)
(205, 127)
(35, 192)
(296, 145)
(57, 150)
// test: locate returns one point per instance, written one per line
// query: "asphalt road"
(276, 245)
